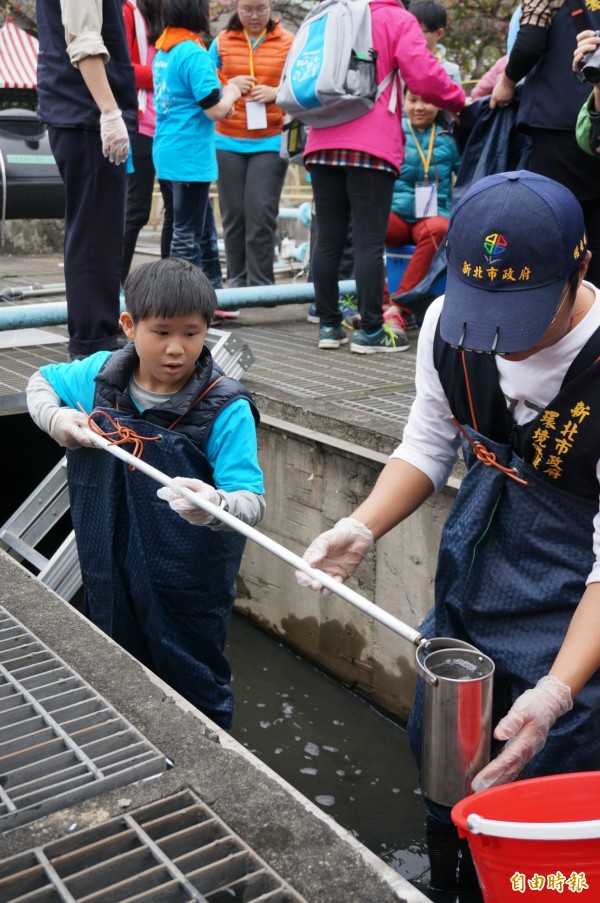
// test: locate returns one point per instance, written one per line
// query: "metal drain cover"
(60, 741)
(176, 849)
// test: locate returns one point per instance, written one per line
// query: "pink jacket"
(487, 82)
(398, 38)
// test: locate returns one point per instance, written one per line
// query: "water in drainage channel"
(334, 747)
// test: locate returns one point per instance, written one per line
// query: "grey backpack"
(329, 76)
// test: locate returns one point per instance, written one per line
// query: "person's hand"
(66, 429)
(186, 509)
(338, 552)
(263, 93)
(245, 83)
(587, 42)
(525, 727)
(503, 93)
(231, 94)
(115, 139)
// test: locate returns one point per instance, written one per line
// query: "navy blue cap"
(513, 239)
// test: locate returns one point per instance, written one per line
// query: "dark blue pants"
(95, 191)
(190, 201)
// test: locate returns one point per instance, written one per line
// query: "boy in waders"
(518, 571)
(160, 586)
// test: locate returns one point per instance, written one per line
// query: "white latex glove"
(186, 509)
(115, 139)
(65, 428)
(526, 728)
(338, 551)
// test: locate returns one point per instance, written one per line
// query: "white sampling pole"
(369, 608)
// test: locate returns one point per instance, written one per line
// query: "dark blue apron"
(511, 570)
(160, 587)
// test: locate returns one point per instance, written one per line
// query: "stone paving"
(361, 398)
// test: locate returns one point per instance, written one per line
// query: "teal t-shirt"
(231, 448)
(184, 142)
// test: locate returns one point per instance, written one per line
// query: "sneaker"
(312, 316)
(383, 340)
(410, 320)
(332, 337)
(394, 319)
(349, 311)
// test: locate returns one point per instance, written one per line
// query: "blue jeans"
(190, 200)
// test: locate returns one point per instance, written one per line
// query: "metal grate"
(173, 850)
(18, 364)
(295, 365)
(60, 741)
(229, 352)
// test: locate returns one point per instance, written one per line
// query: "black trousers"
(365, 196)
(140, 187)
(557, 155)
(94, 222)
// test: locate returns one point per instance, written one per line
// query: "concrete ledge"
(318, 858)
(33, 236)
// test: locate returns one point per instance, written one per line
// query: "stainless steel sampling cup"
(457, 717)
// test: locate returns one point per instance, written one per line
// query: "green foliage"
(476, 34)
(22, 12)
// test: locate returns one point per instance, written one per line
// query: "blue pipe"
(54, 313)
(303, 213)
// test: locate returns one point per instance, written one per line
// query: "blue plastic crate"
(397, 260)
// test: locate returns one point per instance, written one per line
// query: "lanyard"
(253, 45)
(426, 161)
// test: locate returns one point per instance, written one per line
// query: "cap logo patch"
(494, 246)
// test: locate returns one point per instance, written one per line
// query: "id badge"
(425, 199)
(256, 115)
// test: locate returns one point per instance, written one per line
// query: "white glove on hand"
(526, 728)
(338, 551)
(65, 428)
(115, 139)
(186, 509)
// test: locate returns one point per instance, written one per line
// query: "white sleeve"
(594, 576)
(430, 440)
(249, 507)
(82, 20)
(42, 401)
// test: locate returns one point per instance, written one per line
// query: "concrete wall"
(33, 236)
(313, 480)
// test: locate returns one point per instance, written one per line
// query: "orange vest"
(269, 58)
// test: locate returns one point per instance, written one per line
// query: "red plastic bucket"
(536, 839)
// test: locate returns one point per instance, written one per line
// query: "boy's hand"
(186, 509)
(65, 428)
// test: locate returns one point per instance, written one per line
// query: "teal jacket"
(444, 164)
